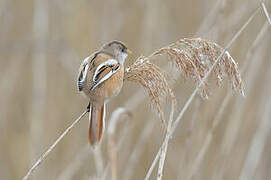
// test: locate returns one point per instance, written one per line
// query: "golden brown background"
(42, 44)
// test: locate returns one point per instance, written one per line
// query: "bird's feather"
(82, 77)
(104, 71)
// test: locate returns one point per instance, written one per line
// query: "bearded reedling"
(101, 78)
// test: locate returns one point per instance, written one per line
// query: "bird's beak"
(128, 51)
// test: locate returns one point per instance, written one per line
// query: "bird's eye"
(123, 50)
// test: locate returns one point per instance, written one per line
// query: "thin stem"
(121, 138)
(188, 102)
(137, 150)
(224, 104)
(164, 148)
(153, 164)
(260, 139)
(266, 13)
(209, 72)
(112, 147)
(44, 155)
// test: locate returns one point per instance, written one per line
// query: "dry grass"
(226, 137)
(194, 58)
(152, 78)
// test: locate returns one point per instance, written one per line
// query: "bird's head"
(117, 49)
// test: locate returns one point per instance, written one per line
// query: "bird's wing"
(104, 71)
(83, 71)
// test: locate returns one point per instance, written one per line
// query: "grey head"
(117, 49)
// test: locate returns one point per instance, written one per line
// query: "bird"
(100, 79)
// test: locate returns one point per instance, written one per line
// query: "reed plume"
(193, 57)
(153, 79)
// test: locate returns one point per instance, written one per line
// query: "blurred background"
(42, 44)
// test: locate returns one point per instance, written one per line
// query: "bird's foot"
(88, 108)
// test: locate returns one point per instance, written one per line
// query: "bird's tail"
(96, 124)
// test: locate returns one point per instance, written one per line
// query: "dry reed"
(266, 13)
(112, 147)
(151, 77)
(193, 57)
(46, 153)
(196, 58)
(188, 102)
(226, 130)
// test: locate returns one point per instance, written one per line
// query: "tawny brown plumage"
(100, 79)
(108, 88)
